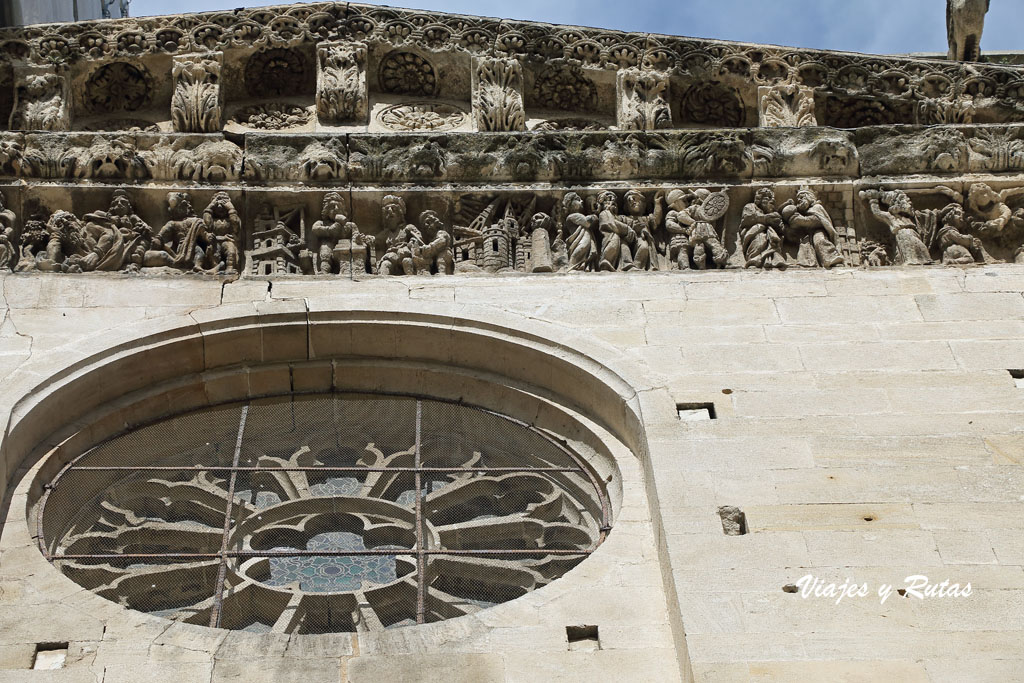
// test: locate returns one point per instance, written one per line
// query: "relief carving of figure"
(581, 245)
(644, 225)
(956, 247)
(115, 239)
(617, 236)
(690, 222)
(183, 241)
(224, 227)
(992, 218)
(894, 209)
(8, 254)
(337, 238)
(435, 256)
(399, 238)
(761, 230)
(809, 225)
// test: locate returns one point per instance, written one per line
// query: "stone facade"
(772, 297)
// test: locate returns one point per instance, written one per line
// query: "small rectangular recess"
(583, 637)
(50, 656)
(1018, 377)
(696, 412)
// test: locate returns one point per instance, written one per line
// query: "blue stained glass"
(333, 574)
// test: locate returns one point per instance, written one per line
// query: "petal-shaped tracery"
(323, 514)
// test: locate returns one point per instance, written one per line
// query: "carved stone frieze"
(786, 106)
(197, 105)
(295, 26)
(498, 95)
(341, 89)
(642, 100)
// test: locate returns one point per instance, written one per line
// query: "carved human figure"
(694, 238)
(965, 21)
(992, 218)
(580, 245)
(616, 235)
(224, 227)
(332, 232)
(761, 229)
(956, 247)
(183, 241)
(643, 226)
(64, 239)
(398, 252)
(894, 209)
(112, 240)
(8, 254)
(808, 224)
(436, 255)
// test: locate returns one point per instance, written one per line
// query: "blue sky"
(875, 26)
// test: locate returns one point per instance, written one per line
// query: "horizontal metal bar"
(309, 553)
(227, 468)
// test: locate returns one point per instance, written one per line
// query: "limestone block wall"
(866, 424)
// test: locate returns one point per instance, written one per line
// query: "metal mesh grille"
(323, 513)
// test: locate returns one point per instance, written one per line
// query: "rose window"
(325, 513)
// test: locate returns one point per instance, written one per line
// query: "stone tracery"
(323, 495)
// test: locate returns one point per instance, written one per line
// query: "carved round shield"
(715, 206)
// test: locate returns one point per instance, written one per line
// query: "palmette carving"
(196, 104)
(341, 91)
(642, 100)
(786, 106)
(498, 95)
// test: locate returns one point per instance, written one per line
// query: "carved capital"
(786, 106)
(642, 100)
(197, 105)
(41, 96)
(498, 95)
(341, 91)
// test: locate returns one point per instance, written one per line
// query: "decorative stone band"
(535, 156)
(997, 90)
(360, 230)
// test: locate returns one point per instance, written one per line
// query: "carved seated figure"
(340, 246)
(808, 224)
(435, 256)
(761, 230)
(398, 252)
(956, 247)
(224, 227)
(183, 241)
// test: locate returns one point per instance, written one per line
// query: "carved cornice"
(841, 73)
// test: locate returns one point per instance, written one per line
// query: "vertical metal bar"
(421, 557)
(218, 600)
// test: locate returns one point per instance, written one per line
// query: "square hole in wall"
(696, 412)
(1018, 377)
(50, 656)
(582, 638)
